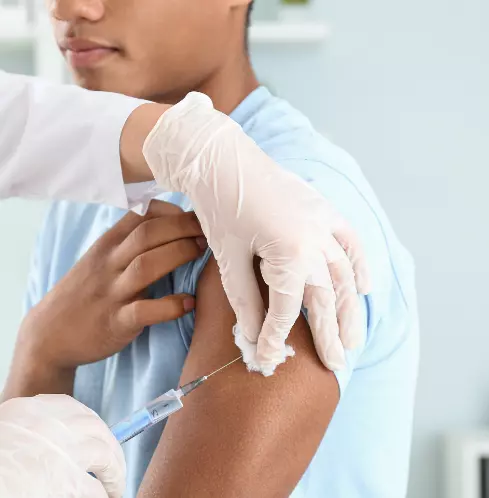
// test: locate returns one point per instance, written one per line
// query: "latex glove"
(247, 206)
(49, 443)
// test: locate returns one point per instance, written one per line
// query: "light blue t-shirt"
(365, 452)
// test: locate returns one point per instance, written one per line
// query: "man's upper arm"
(241, 434)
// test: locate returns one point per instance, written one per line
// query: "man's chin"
(85, 81)
(114, 82)
(94, 83)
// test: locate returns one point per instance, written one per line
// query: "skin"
(136, 129)
(255, 436)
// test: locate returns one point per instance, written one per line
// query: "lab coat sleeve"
(62, 142)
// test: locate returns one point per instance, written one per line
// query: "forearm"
(135, 131)
(32, 373)
(30, 379)
(64, 142)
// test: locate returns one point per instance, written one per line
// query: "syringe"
(157, 410)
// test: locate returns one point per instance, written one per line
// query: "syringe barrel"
(155, 411)
(164, 406)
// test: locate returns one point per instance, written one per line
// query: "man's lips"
(85, 53)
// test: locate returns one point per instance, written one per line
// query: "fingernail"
(189, 304)
(202, 242)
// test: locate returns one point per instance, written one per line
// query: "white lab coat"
(62, 142)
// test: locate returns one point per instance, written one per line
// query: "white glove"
(49, 443)
(247, 206)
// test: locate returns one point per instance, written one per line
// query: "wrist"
(138, 126)
(30, 378)
(34, 372)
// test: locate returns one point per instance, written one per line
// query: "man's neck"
(228, 86)
(231, 85)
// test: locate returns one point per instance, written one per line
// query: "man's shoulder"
(66, 233)
(288, 137)
(72, 217)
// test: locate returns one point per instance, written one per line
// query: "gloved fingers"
(240, 285)
(320, 303)
(32, 467)
(71, 435)
(106, 462)
(271, 349)
(348, 310)
(286, 292)
(34, 412)
(91, 488)
(84, 436)
(353, 248)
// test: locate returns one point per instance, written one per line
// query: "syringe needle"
(191, 386)
(225, 366)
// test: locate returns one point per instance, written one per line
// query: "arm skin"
(241, 434)
(28, 376)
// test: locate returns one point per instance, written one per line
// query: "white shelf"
(281, 32)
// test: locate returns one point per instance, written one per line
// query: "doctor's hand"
(49, 443)
(99, 307)
(248, 205)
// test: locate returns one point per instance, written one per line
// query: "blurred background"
(404, 87)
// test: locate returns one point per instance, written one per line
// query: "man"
(242, 435)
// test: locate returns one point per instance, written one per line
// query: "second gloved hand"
(49, 443)
(248, 206)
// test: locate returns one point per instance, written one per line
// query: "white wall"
(404, 87)
(19, 222)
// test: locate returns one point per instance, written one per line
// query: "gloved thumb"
(241, 287)
(101, 457)
(286, 292)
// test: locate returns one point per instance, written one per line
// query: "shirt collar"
(250, 105)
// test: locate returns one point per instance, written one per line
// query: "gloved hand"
(247, 206)
(49, 443)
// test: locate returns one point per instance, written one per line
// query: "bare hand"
(98, 308)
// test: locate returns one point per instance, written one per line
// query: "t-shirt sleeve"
(185, 279)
